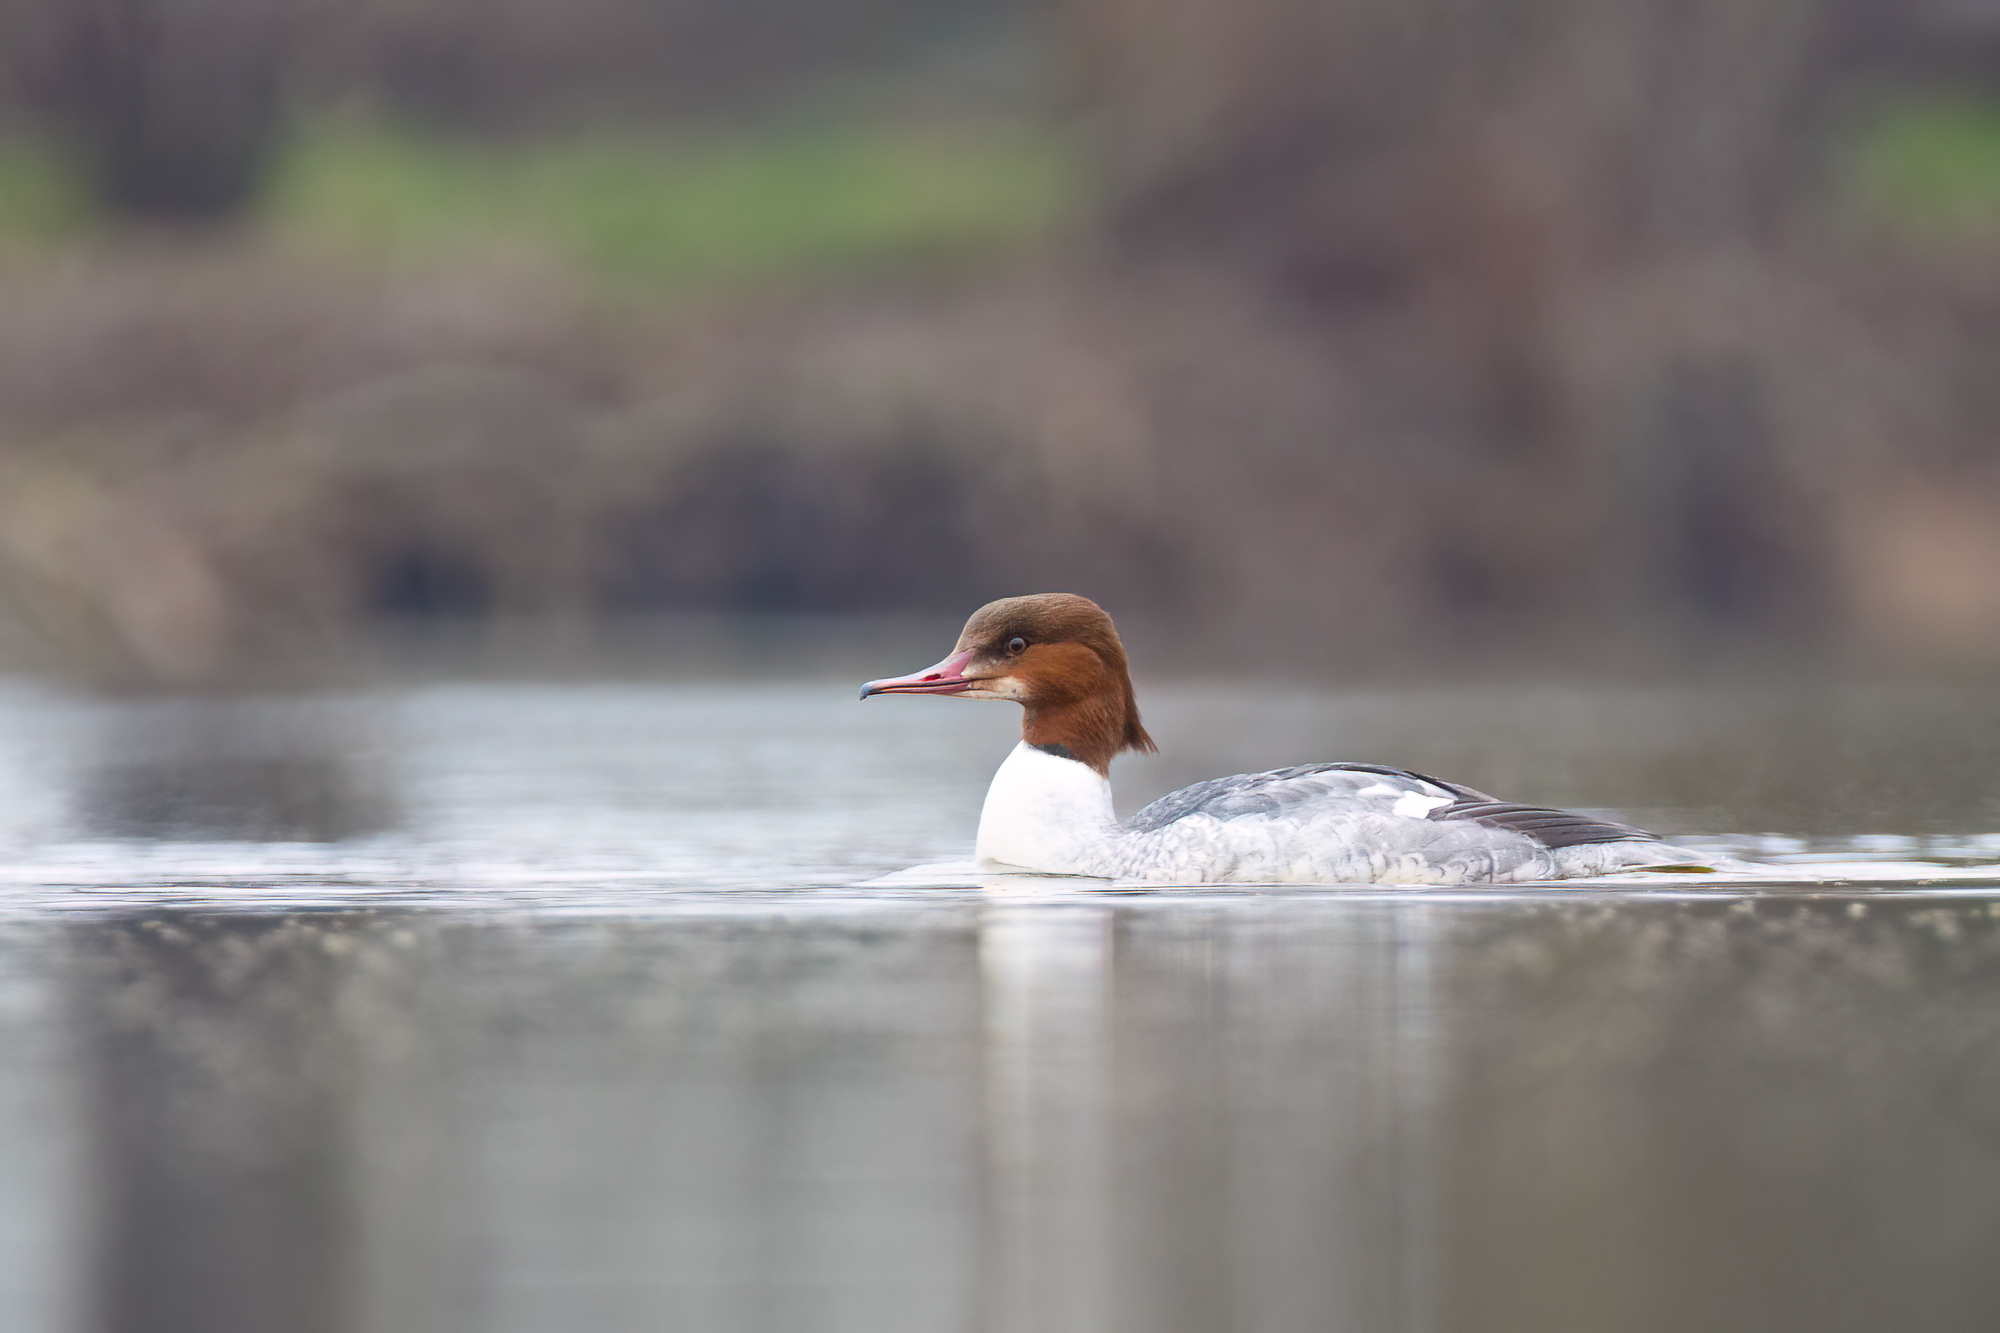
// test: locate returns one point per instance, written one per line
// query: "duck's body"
(1049, 808)
(1315, 824)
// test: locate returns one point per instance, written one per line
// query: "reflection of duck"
(1049, 807)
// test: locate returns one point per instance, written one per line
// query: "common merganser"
(1049, 808)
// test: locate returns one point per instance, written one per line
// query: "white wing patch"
(1416, 805)
(1402, 801)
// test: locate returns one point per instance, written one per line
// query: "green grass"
(39, 201)
(690, 210)
(751, 204)
(675, 211)
(1932, 164)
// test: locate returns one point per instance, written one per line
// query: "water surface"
(527, 1008)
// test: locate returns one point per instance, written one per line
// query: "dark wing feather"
(1551, 828)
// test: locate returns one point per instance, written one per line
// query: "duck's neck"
(1045, 812)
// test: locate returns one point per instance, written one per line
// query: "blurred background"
(1369, 340)
(1365, 331)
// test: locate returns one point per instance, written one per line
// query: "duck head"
(1058, 656)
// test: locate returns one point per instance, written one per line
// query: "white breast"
(1046, 813)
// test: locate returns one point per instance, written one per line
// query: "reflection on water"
(1753, 1116)
(578, 1011)
(233, 770)
(43, 1208)
(1130, 1115)
(212, 1077)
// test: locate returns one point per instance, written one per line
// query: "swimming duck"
(1049, 808)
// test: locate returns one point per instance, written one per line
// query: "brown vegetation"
(1567, 276)
(1405, 327)
(215, 472)
(213, 469)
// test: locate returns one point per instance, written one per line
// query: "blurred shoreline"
(224, 470)
(1489, 365)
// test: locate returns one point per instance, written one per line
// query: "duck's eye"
(1017, 644)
